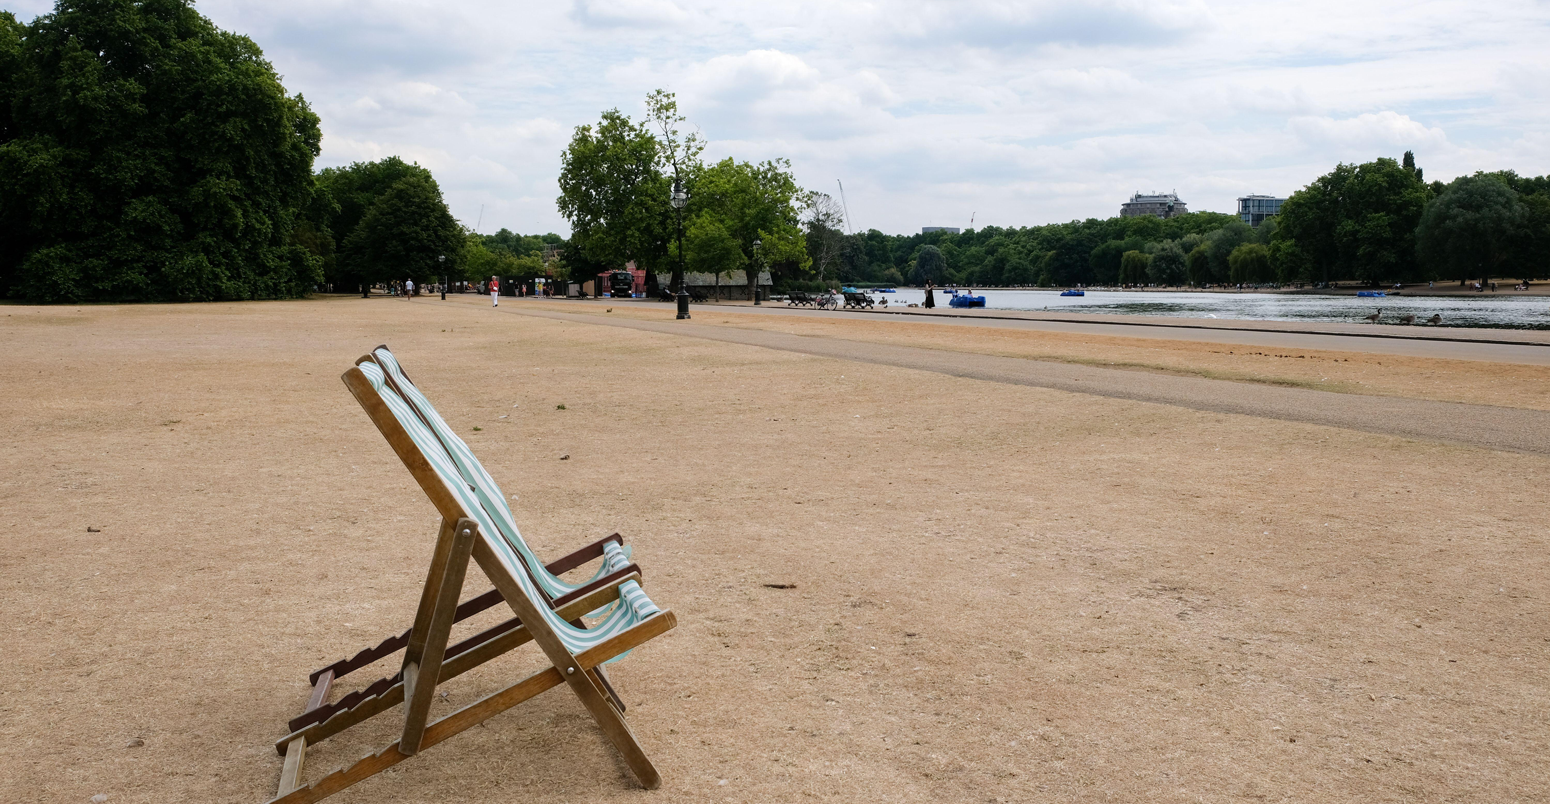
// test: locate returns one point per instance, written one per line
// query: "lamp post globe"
(679, 200)
(441, 261)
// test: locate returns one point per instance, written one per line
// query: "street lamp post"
(680, 200)
(441, 260)
(758, 260)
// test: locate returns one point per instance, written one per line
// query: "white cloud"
(1381, 133)
(628, 13)
(1019, 113)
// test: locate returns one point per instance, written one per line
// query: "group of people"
(407, 289)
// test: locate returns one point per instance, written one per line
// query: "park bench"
(858, 300)
(797, 298)
(548, 610)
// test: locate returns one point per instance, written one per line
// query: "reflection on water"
(1502, 310)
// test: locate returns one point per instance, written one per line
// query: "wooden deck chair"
(614, 567)
(468, 531)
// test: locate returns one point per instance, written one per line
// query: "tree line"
(146, 155)
(1377, 222)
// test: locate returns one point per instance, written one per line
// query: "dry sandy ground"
(1003, 593)
(1472, 382)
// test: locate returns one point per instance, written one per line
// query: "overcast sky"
(1016, 114)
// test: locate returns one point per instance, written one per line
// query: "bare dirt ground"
(1002, 593)
(1473, 382)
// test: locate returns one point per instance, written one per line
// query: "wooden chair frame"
(429, 660)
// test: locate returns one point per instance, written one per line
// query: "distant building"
(1254, 209)
(947, 229)
(1158, 205)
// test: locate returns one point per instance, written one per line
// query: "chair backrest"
(483, 485)
(455, 499)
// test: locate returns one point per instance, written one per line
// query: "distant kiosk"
(1158, 205)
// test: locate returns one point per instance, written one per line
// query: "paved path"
(1531, 347)
(1510, 429)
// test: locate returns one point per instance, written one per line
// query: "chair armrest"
(582, 556)
(611, 579)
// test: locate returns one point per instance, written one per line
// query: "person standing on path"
(408, 288)
(495, 291)
(930, 302)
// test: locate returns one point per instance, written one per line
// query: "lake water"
(1503, 309)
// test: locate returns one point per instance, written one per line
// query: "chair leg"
(613, 724)
(602, 679)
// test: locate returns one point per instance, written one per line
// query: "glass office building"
(1254, 209)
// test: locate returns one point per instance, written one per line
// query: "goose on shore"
(1373, 319)
(1407, 319)
(1435, 319)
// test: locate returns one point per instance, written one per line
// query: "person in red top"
(495, 291)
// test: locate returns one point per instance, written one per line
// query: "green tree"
(1472, 228)
(1288, 262)
(1105, 259)
(1220, 245)
(755, 203)
(929, 266)
(349, 193)
(677, 155)
(1132, 268)
(710, 249)
(1250, 263)
(1168, 264)
(613, 192)
(1358, 221)
(1533, 257)
(404, 232)
(1198, 265)
(147, 155)
(823, 222)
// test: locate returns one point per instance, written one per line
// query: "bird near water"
(1407, 319)
(1373, 319)
(1435, 319)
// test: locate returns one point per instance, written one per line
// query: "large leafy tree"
(1250, 262)
(1168, 264)
(1132, 268)
(824, 220)
(147, 155)
(1105, 259)
(1358, 221)
(929, 266)
(755, 203)
(403, 234)
(615, 193)
(350, 192)
(1473, 228)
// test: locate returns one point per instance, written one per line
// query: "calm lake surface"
(1502, 310)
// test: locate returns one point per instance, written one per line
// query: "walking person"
(408, 288)
(495, 291)
(930, 302)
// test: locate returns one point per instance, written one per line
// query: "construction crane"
(844, 206)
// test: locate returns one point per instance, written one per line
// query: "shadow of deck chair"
(469, 531)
